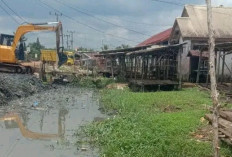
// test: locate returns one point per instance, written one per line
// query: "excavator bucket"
(60, 49)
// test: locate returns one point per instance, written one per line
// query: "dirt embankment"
(14, 86)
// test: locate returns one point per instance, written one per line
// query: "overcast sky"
(97, 22)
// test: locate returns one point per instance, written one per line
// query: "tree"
(35, 48)
(85, 49)
(105, 47)
(123, 46)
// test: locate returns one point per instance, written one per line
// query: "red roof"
(158, 38)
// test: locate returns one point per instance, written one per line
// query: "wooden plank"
(224, 132)
(228, 141)
(154, 82)
(226, 115)
(223, 124)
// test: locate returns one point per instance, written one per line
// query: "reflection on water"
(48, 128)
(34, 135)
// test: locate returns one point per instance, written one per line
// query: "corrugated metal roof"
(154, 49)
(196, 53)
(193, 22)
(126, 49)
(158, 38)
(157, 49)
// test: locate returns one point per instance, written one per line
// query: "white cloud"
(222, 2)
(132, 14)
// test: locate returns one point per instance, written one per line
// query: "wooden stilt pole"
(146, 67)
(112, 67)
(231, 79)
(135, 70)
(214, 92)
(207, 77)
(199, 66)
(180, 68)
(152, 67)
(143, 65)
(131, 70)
(223, 67)
(218, 65)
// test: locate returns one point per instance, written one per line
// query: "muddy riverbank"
(44, 124)
(14, 86)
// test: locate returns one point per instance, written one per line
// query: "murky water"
(44, 124)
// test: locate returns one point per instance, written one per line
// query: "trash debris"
(83, 149)
(171, 108)
(35, 104)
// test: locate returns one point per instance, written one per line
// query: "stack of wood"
(225, 125)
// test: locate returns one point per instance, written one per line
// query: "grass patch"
(126, 101)
(90, 82)
(142, 129)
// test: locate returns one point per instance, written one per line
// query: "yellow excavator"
(8, 59)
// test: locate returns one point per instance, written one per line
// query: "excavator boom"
(30, 28)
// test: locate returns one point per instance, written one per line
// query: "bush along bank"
(156, 124)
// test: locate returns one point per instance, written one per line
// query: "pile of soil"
(14, 86)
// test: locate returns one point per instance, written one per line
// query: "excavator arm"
(23, 29)
(40, 27)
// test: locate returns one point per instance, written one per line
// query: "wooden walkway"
(153, 82)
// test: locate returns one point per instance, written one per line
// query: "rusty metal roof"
(193, 23)
(158, 38)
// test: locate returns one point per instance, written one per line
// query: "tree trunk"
(214, 92)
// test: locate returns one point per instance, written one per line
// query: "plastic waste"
(35, 104)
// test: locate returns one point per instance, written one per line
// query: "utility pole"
(56, 14)
(71, 33)
(102, 42)
(214, 92)
(67, 40)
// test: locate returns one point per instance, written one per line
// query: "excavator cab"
(62, 56)
(6, 39)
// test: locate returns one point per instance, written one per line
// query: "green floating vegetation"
(152, 124)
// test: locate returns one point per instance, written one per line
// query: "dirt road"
(44, 124)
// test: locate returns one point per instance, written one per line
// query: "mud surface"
(44, 124)
(14, 86)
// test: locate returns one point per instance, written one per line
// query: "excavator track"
(16, 68)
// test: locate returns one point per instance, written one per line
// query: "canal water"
(45, 123)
